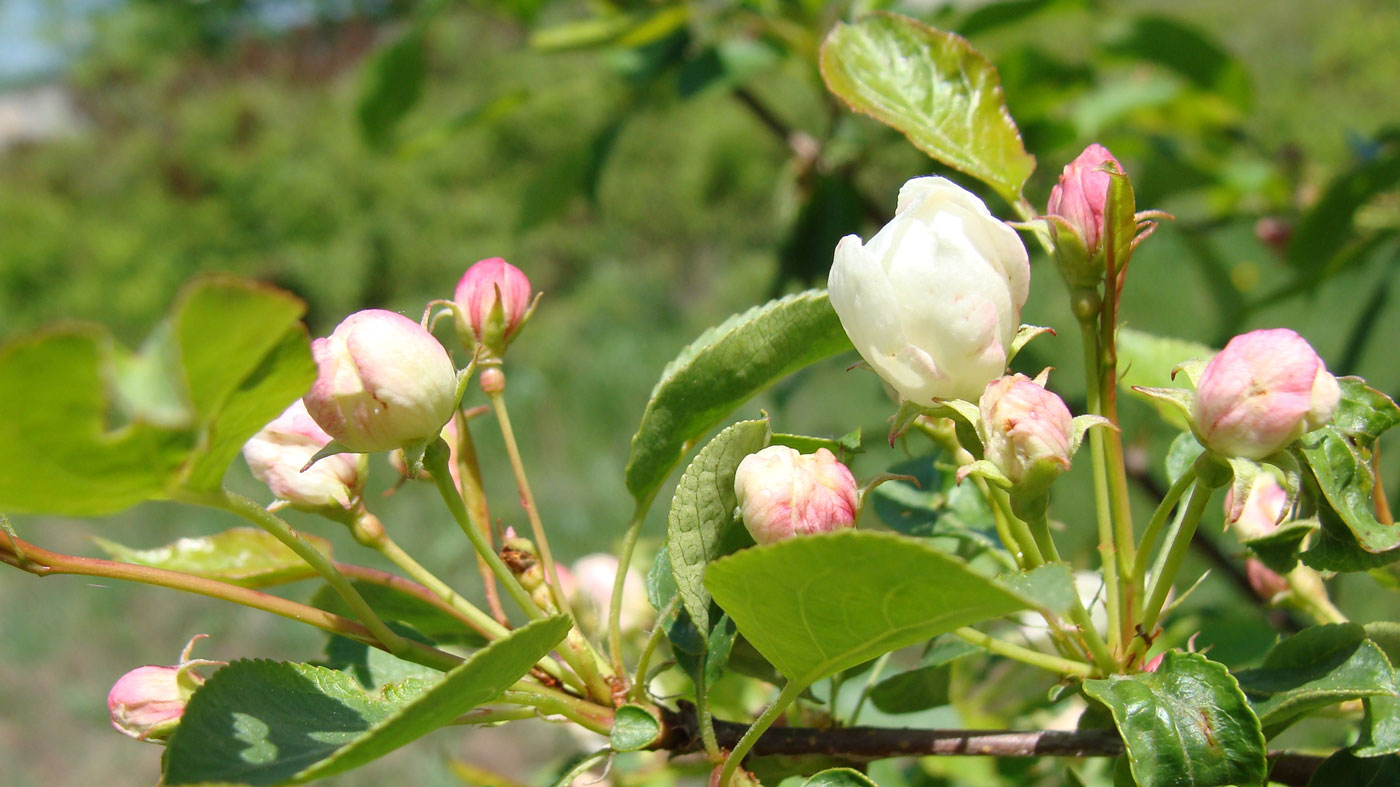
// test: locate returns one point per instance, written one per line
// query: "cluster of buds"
(278, 453)
(148, 702)
(933, 301)
(784, 493)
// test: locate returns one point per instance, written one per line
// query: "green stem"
(658, 632)
(1176, 553)
(1020, 531)
(580, 711)
(1159, 520)
(479, 620)
(1310, 595)
(870, 681)
(624, 560)
(474, 497)
(1113, 592)
(791, 691)
(581, 767)
(255, 513)
(1094, 645)
(496, 715)
(1025, 655)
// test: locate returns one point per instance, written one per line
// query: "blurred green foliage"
(653, 170)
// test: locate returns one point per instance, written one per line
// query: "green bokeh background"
(208, 148)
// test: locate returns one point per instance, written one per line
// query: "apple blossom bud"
(1154, 663)
(933, 301)
(589, 587)
(147, 702)
(783, 493)
(383, 382)
(279, 451)
(1266, 583)
(1080, 196)
(493, 299)
(1025, 427)
(1262, 510)
(1263, 391)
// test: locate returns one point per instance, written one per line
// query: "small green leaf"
(392, 604)
(909, 692)
(1345, 480)
(934, 88)
(1345, 768)
(843, 446)
(634, 729)
(1181, 455)
(721, 370)
(1147, 361)
(839, 777)
(243, 556)
(1279, 550)
(1185, 725)
(1312, 669)
(816, 605)
(1119, 225)
(702, 510)
(1363, 413)
(478, 680)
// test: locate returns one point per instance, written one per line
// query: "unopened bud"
(1082, 194)
(147, 702)
(590, 585)
(1263, 391)
(493, 299)
(1262, 510)
(279, 451)
(1025, 428)
(1266, 583)
(383, 382)
(783, 493)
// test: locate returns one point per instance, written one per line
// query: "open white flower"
(933, 301)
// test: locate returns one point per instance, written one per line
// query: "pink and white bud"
(1262, 511)
(1080, 196)
(279, 451)
(1263, 391)
(1024, 426)
(589, 587)
(783, 493)
(383, 382)
(493, 298)
(147, 702)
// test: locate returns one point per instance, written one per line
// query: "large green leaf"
(722, 369)
(1185, 725)
(264, 722)
(1345, 480)
(1380, 726)
(933, 87)
(243, 556)
(703, 509)
(816, 605)
(393, 604)
(1314, 668)
(1347, 769)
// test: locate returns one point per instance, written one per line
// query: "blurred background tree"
(654, 167)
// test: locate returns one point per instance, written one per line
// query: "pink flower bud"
(147, 703)
(1262, 392)
(1262, 509)
(1266, 583)
(487, 286)
(383, 383)
(783, 493)
(589, 587)
(1081, 194)
(278, 452)
(1024, 426)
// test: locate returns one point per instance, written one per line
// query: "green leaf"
(1312, 669)
(1345, 768)
(1380, 724)
(1185, 725)
(1189, 52)
(721, 370)
(816, 605)
(394, 82)
(372, 667)
(909, 692)
(634, 729)
(1363, 413)
(1279, 550)
(1322, 234)
(843, 446)
(1051, 587)
(67, 451)
(1345, 480)
(1181, 455)
(839, 777)
(427, 617)
(1147, 361)
(263, 722)
(478, 680)
(934, 88)
(243, 556)
(702, 510)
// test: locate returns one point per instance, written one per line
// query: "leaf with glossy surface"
(1312, 669)
(1185, 725)
(1278, 551)
(1363, 413)
(1380, 723)
(634, 729)
(1345, 480)
(721, 370)
(242, 556)
(934, 88)
(816, 605)
(702, 510)
(839, 777)
(393, 604)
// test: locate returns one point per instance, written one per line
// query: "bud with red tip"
(1263, 391)
(147, 702)
(493, 302)
(279, 451)
(1082, 193)
(383, 382)
(783, 493)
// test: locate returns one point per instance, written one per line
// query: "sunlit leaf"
(243, 556)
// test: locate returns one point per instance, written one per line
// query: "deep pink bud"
(383, 382)
(278, 452)
(783, 493)
(147, 703)
(1024, 425)
(486, 286)
(1263, 391)
(1081, 194)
